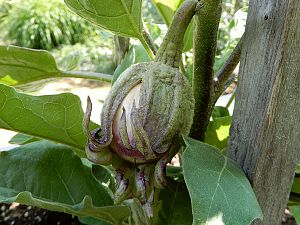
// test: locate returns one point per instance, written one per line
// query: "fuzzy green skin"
(163, 113)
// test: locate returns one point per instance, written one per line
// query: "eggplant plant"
(118, 172)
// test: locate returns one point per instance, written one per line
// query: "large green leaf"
(176, 205)
(121, 17)
(219, 190)
(19, 66)
(167, 10)
(51, 176)
(217, 133)
(53, 117)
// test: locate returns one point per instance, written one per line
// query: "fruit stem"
(170, 50)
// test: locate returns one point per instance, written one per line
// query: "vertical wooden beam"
(265, 133)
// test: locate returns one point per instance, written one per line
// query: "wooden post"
(265, 133)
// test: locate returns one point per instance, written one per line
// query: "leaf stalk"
(88, 75)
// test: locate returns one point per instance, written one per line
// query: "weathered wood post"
(265, 133)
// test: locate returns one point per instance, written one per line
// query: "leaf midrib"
(26, 66)
(131, 19)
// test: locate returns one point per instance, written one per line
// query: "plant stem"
(231, 99)
(207, 20)
(88, 75)
(225, 72)
(147, 44)
(148, 39)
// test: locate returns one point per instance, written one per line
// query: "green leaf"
(53, 117)
(296, 185)
(296, 213)
(153, 29)
(20, 66)
(121, 17)
(104, 175)
(219, 111)
(176, 205)
(294, 198)
(217, 133)
(22, 139)
(298, 167)
(167, 10)
(51, 176)
(91, 221)
(136, 54)
(220, 192)
(175, 173)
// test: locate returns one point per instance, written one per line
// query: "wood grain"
(265, 137)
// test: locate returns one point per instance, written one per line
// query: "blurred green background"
(77, 44)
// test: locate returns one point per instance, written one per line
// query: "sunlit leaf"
(51, 176)
(219, 190)
(53, 117)
(20, 66)
(121, 17)
(217, 133)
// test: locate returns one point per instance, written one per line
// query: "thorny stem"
(207, 20)
(225, 72)
(170, 50)
(88, 75)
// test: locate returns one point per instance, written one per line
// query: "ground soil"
(15, 214)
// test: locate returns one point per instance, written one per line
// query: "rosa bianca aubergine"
(147, 110)
(149, 106)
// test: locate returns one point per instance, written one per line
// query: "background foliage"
(42, 24)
